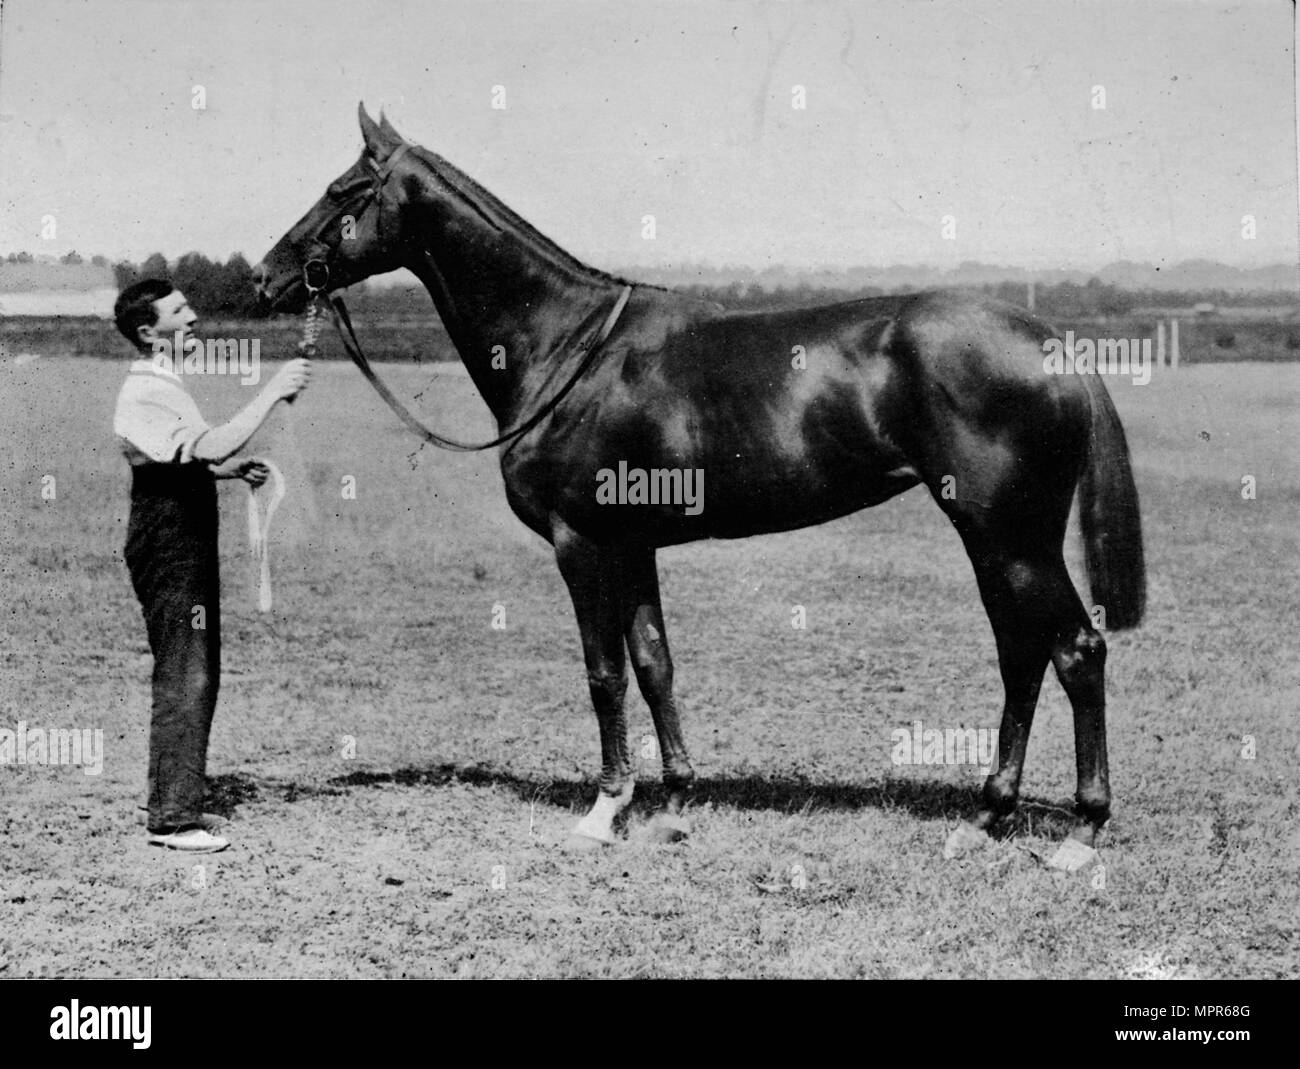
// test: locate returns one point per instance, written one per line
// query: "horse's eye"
(335, 190)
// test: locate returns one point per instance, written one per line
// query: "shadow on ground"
(925, 800)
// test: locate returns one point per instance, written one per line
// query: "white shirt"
(156, 419)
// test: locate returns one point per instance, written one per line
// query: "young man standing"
(171, 547)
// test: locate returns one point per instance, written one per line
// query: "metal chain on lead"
(311, 326)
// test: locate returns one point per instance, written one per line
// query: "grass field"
(400, 774)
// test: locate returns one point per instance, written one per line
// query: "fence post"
(1173, 344)
(1160, 343)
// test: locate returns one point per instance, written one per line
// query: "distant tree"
(1011, 292)
(235, 293)
(71, 257)
(125, 273)
(193, 275)
(99, 260)
(731, 293)
(155, 267)
(1113, 301)
(203, 282)
(1063, 299)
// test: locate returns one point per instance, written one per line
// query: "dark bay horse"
(795, 417)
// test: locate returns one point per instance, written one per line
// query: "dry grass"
(433, 851)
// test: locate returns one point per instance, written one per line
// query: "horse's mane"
(502, 216)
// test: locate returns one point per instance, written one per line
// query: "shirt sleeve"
(159, 418)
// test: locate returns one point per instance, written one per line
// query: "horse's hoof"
(667, 828)
(1073, 856)
(580, 843)
(965, 839)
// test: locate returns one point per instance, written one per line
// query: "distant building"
(45, 289)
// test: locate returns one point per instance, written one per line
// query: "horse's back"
(796, 416)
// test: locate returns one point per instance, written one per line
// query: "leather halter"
(316, 278)
(316, 271)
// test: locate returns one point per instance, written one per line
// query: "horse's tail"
(1110, 519)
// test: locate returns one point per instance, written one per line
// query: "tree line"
(210, 286)
(214, 287)
(226, 289)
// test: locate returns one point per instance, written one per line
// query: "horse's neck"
(506, 301)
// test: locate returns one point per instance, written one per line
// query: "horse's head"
(349, 234)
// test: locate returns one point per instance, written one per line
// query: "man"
(171, 546)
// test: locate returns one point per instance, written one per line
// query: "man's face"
(174, 313)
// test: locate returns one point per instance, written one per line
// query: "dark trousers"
(171, 553)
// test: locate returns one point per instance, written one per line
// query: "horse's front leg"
(594, 576)
(647, 642)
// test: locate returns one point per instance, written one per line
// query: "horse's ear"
(387, 128)
(373, 136)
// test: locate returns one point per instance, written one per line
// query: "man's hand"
(254, 472)
(220, 444)
(250, 469)
(291, 379)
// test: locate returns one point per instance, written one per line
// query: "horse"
(796, 416)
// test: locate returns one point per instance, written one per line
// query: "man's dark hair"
(134, 308)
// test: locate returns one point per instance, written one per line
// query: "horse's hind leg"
(1037, 617)
(647, 642)
(594, 577)
(1080, 660)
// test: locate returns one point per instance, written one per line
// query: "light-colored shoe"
(192, 840)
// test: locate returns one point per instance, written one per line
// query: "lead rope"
(343, 324)
(259, 520)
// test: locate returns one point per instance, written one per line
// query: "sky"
(913, 111)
